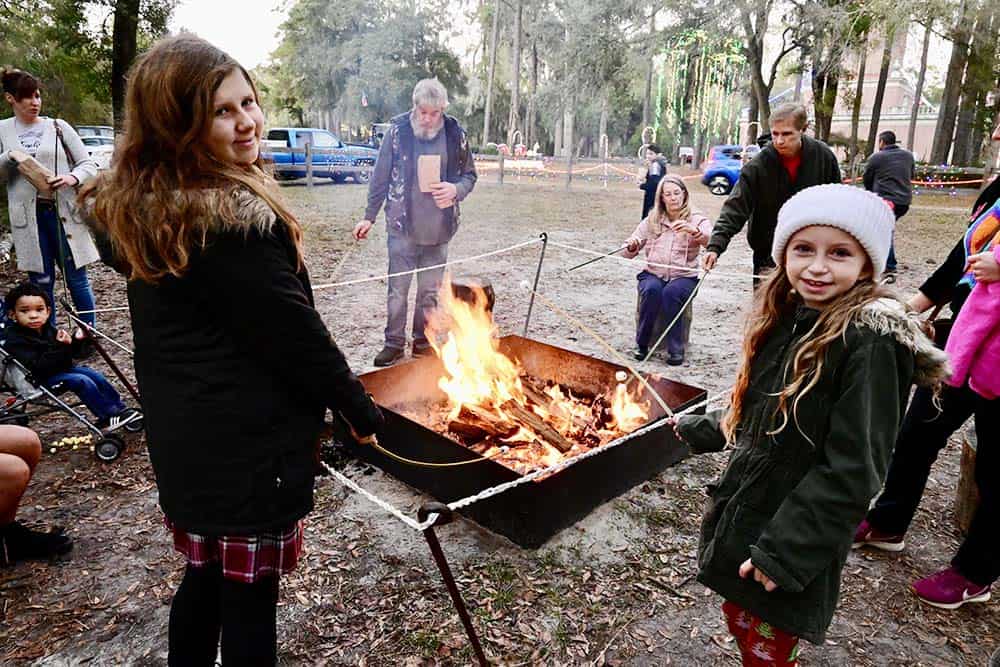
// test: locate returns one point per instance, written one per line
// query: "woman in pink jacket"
(672, 235)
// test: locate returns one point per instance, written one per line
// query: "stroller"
(27, 398)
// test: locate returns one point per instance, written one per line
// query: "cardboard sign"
(428, 171)
(33, 170)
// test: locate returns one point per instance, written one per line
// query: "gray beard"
(422, 134)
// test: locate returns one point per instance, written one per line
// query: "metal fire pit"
(532, 513)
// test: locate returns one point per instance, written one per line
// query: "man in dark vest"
(424, 169)
(792, 162)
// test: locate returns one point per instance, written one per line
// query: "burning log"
(539, 397)
(547, 433)
(475, 423)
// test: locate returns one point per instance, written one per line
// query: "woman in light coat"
(46, 227)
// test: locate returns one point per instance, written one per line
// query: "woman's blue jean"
(50, 237)
(656, 296)
(92, 388)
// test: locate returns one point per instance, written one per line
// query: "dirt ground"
(617, 588)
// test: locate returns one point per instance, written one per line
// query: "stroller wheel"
(109, 448)
(135, 426)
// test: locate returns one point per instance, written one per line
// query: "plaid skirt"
(244, 558)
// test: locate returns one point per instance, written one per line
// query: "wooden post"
(500, 176)
(967, 493)
(309, 164)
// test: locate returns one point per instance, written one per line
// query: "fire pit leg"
(444, 516)
(534, 288)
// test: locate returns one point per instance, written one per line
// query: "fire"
(479, 377)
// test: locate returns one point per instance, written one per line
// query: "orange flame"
(476, 373)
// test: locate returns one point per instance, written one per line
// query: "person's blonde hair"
(659, 214)
(775, 301)
(165, 190)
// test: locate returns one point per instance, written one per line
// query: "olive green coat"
(791, 501)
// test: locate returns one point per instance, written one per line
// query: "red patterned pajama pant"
(761, 644)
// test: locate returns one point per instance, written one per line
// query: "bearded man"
(424, 169)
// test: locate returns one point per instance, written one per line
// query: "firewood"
(475, 423)
(543, 400)
(528, 418)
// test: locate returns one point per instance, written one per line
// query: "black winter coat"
(763, 188)
(236, 370)
(39, 351)
(791, 501)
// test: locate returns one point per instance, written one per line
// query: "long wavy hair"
(775, 300)
(165, 190)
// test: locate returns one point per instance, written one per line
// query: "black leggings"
(924, 433)
(206, 604)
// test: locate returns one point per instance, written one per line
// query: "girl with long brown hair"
(235, 366)
(825, 373)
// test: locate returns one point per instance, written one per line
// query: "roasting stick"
(598, 258)
(428, 464)
(343, 259)
(597, 337)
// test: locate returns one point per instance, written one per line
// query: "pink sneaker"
(949, 590)
(868, 535)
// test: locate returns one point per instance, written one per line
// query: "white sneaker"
(122, 419)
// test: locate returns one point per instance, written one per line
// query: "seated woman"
(672, 235)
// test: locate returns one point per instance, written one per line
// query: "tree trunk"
(753, 119)
(495, 37)
(754, 51)
(557, 134)
(123, 52)
(602, 125)
(514, 120)
(945, 129)
(919, 90)
(883, 76)
(647, 102)
(978, 79)
(852, 149)
(568, 139)
(529, 122)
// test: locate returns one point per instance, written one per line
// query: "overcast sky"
(245, 29)
(248, 31)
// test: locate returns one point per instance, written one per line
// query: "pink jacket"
(663, 246)
(974, 342)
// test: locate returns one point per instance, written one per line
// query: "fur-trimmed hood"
(248, 211)
(887, 316)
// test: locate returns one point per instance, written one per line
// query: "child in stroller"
(38, 364)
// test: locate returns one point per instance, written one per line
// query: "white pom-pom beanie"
(860, 213)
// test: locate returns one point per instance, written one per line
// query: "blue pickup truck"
(332, 157)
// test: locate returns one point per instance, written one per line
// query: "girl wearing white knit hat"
(827, 364)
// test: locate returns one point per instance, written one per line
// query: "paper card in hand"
(33, 170)
(428, 171)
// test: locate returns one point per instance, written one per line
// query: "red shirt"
(792, 165)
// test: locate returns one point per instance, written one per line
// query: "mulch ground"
(616, 589)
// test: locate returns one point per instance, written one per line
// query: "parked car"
(95, 131)
(333, 158)
(100, 148)
(722, 169)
